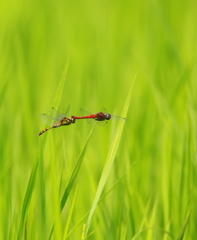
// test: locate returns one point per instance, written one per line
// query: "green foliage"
(132, 179)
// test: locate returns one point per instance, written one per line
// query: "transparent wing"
(84, 112)
(117, 118)
(53, 117)
(47, 119)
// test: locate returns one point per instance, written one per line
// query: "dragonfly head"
(108, 116)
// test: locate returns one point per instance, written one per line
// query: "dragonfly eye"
(108, 116)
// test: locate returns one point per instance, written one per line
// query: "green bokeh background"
(105, 44)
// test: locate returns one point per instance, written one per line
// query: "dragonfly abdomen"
(43, 131)
(63, 122)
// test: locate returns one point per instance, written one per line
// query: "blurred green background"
(105, 44)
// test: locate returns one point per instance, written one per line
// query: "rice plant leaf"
(151, 228)
(27, 199)
(73, 176)
(41, 196)
(70, 214)
(49, 120)
(103, 197)
(75, 172)
(3, 90)
(184, 227)
(146, 210)
(60, 88)
(110, 160)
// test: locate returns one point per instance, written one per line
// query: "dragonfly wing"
(53, 117)
(117, 118)
(86, 113)
(59, 116)
(66, 114)
(47, 119)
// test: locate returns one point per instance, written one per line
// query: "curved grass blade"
(100, 200)
(75, 172)
(151, 228)
(3, 90)
(73, 177)
(27, 199)
(41, 196)
(180, 236)
(184, 227)
(70, 213)
(110, 160)
(60, 88)
(50, 120)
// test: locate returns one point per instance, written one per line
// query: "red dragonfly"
(100, 116)
(58, 121)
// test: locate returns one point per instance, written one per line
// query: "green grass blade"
(145, 214)
(55, 104)
(70, 214)
(41, 194)
(100, 200)
(27, 199)
(184, 227)
(109, 161)
(3, 90)
(58, 94)
(73, 176)
(56, 200)
(75, 172)
(60, 88)
(151, 228)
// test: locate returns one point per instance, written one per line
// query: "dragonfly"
(100, 116)
(58, 121)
